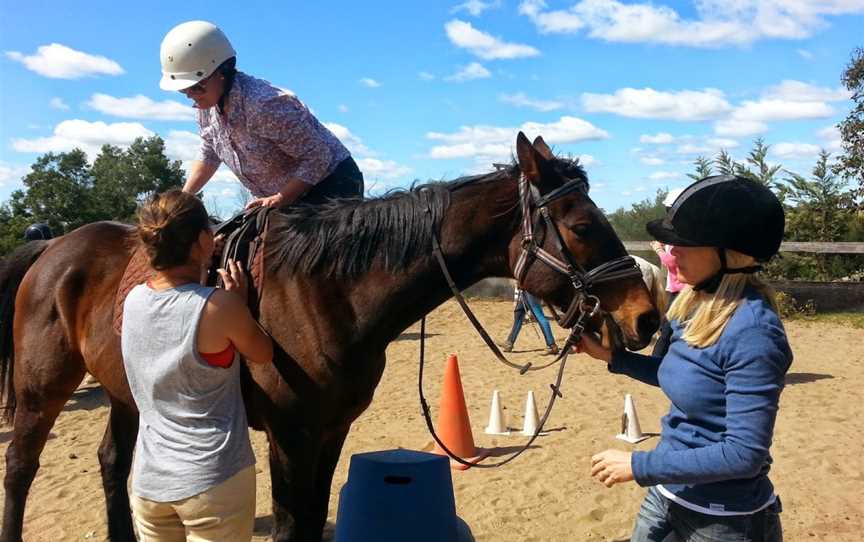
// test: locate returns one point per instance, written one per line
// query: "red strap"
(222, 359)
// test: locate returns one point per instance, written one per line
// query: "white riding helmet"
(190, 52)
(672, 196)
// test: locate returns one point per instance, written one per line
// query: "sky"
(439, 89)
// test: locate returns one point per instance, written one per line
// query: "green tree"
(725, 164)
(630, 223)
(703, 169)
(851, 163)
(820, 206)
(123, 178)
(762, 172)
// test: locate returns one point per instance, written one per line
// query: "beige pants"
(222, 513)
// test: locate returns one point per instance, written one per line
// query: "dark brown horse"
(344, 281)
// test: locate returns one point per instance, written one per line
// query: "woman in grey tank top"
(193, 474)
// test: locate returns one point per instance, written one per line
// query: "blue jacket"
(714, 444)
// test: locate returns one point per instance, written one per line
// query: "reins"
(583, 307)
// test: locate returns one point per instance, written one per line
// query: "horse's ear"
(528, 158)
(543, 148)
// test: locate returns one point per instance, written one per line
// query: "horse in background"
(343, 281)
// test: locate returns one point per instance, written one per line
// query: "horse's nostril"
(648, 323)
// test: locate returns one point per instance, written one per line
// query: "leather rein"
(583, 307)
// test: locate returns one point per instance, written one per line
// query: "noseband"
(583, 307)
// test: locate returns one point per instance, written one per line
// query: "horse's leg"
(37, 409)
(293, 466)
(115, 459)
(329, 457)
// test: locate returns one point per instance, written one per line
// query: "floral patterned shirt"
(267, 138)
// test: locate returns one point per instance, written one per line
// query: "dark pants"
(346, 181)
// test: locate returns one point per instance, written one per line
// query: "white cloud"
(664, 175)
(520, 99)
(483, 45)
(374, 168)
(141, 107)
(476, 7)
(692, 148)
(588, 160)
(722, 143)
(11, 174)
(60, 62)
(739, 128)
(830, 135)
(805, 54)
(647, 103)
(182, 145)
(472, 71)
(58, 103)
(368, 82)
(495, 143)
(714, 23)
(351, 141)
(794, 150)
(87, 136)
(797, 91)
(660, 138)
(652, 160)
(551, 22)
(426, 76)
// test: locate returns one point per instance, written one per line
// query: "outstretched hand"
(276, 200)
(612, 467)
(591, 346)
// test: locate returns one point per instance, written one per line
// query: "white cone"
(531, 419)
(497, 425)
(630, 430)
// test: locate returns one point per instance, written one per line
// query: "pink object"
(673, 285)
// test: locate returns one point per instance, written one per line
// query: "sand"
(547, 493)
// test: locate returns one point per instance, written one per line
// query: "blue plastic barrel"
(397, 495)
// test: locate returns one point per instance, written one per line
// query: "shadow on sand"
(804, 378)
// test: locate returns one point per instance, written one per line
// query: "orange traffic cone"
(454, 427)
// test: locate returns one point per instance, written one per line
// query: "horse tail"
(12, 271)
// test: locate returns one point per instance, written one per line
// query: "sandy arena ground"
(547, 494)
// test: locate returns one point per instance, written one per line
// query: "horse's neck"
(474, 233)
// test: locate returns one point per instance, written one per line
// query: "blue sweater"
(713, 450)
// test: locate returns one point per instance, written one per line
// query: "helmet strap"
(711, 284)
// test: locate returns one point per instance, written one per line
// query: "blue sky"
(435, 90)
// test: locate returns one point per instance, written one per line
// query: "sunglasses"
(198, 88)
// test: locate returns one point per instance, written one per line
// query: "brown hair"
(168, 225)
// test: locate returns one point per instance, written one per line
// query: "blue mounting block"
(397, 496)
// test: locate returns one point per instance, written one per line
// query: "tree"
(851, 163)
(764, 173)
(726, 165)
(630, 223)
(66, 192)
(820, 206)
(703, 169)
(122, 179)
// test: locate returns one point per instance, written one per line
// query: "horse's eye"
(580, 229)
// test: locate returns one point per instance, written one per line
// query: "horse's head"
(567, 252)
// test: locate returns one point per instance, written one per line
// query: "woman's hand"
(276, 200)
(591, 346)
(612, 467)
(657, 246)
(234, 279)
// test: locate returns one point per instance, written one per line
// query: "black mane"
(344, 237)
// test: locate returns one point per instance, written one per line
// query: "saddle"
(245, 235)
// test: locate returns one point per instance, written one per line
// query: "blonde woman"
(723, 373)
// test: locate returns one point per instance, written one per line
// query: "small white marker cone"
(531, 419)
(630, 430)
(496, 425)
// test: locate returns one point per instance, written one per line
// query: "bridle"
(582, 309)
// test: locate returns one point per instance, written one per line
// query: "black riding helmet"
(37, 232)
(727, 212)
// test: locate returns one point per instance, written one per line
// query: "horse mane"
(344, 237)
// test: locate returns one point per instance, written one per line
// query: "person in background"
(38, 232)
(723, 374)
(673, 285)
(265, 135)
(193, 476)
(525, 304)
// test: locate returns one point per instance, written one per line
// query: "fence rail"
(818, 248)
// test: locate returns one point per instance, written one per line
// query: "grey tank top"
(192, 431)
